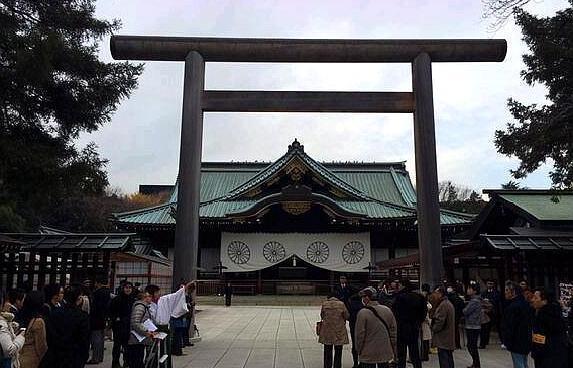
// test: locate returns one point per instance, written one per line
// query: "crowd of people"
(395, 323)
(66, 326)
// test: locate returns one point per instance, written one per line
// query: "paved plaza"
(276, 337)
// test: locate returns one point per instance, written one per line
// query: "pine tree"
(52, 88)
(543, 133)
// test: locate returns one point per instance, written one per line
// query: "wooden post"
(429, 230)
(187, 223)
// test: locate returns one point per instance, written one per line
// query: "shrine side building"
(294, 225)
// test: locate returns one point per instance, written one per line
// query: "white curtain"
(343, 252)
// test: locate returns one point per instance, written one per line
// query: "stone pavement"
(276, 337)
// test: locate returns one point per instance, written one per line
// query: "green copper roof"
(162, 215)
(544, 206)
(372, 190)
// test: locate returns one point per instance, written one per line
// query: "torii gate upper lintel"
(196, 51)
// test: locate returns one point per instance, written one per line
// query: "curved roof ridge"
(399, 187)
(457, 213)
(141, 210)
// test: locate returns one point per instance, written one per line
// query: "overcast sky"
(142, 141)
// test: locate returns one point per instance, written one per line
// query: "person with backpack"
(376, 332)
(120, 316)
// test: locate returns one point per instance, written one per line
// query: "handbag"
(318, 327)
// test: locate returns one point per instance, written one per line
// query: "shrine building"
(294, 225)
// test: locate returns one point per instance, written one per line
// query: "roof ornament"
(296, 146)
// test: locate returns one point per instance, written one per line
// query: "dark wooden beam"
(429, 229)
(298, 50)
(288, 101)
(188, 197)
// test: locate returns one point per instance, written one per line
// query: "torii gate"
(196, 51)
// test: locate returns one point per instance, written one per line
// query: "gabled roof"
(370, 190)
(542, 205)
(296, 151)
(539, 207)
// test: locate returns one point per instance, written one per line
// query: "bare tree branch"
(499, 11)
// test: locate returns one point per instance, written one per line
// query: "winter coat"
(374, 342)
(548, 324)
(35, 345)
(444, 326)
(410, 311)
(120, 316)
(99, 308)
(516, 326)
(473, 313)
(10, 343)
(334, 316)
(68, 337)
(139, 314)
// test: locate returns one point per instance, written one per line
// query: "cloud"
(142, 142)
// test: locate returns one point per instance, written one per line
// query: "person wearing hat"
(375, 332)
(120, 314)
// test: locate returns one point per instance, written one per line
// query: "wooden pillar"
(21, 269)
(106, 266)
(64, 268)
(429, 230)
(12, 272)
(187, 223)
(74, 266)
(31, 264)
(42, 271)
(53, 267)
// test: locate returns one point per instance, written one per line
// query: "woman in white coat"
(10, 342)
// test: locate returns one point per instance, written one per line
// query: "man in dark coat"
(228, 291)
(516, 325)
(99, 310)
(120, 314)
(459, 305)
(410, 310)
(355, 303)
(67, 333)
(549, 348)
(343, 291)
